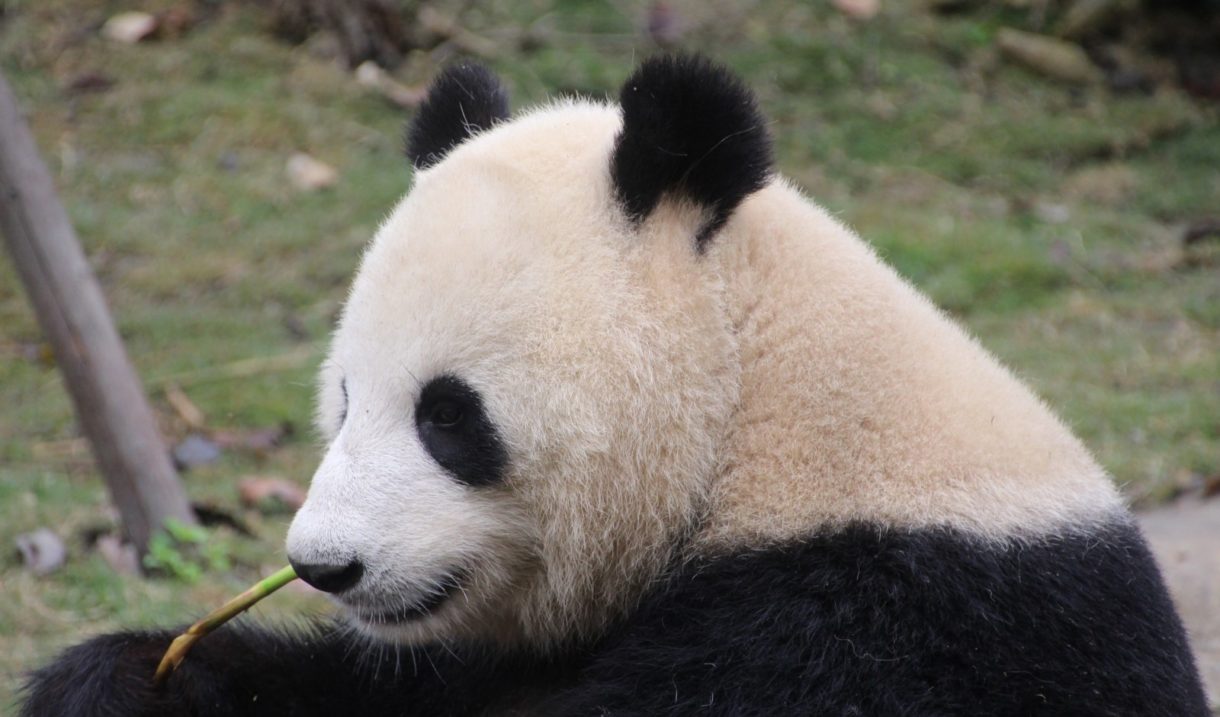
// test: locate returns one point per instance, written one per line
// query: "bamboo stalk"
(231, 609)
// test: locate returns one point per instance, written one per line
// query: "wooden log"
(68, 301)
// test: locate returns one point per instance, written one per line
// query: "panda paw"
(108, 675)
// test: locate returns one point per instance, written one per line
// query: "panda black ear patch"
(691, 130)
(463, 99)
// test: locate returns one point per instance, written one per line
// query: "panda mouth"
(443, 589)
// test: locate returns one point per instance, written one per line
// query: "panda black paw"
(108, 675)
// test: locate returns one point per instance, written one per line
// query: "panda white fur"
(621, 423)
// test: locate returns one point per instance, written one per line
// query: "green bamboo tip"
(231, 609)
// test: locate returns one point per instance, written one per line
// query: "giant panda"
(621, 423)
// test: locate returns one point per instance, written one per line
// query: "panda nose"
(330, 578)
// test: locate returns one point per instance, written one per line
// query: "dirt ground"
(1186, 540)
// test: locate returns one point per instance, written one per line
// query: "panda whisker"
(445, 646)
(434, 670)
(418, 384)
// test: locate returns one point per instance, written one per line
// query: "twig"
(243, 368)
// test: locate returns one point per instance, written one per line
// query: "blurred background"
(1047, 170)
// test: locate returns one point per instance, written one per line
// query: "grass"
(1047, 219)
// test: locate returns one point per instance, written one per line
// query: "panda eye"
(456, 430)
(446, 414)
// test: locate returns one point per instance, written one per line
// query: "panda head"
(527, 393)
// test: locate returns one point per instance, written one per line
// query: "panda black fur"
(621, 424)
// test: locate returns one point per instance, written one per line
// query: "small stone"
(309, 174)
(229, 162)
(42, 551)
(129, 27)
(195, 450)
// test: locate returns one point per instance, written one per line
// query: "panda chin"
(388, 614)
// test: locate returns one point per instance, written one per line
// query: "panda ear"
(463, 100)
(690, 130)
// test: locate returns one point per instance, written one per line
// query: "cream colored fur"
(861, 401)
(654, 402)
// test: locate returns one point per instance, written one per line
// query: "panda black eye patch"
(457, 432)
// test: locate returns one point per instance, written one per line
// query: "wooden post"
(68, 301)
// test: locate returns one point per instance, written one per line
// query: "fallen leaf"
(89, 82)
(129, 27)
(1201, 230)
(211, 515)
(309, 174)
(184, 406)
(42, 551)
(1211, 486)
(254, 439)
(271, 494)
(195, 450)
(176, 21)
(119, 555)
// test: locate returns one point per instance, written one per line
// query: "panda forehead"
(508, 238)
(558, 147)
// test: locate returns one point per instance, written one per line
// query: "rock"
(1049, 56)
(309, 174)
(1185, 537)
(42, 552)
(229, 161)
(129, 27)
(195, 450)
